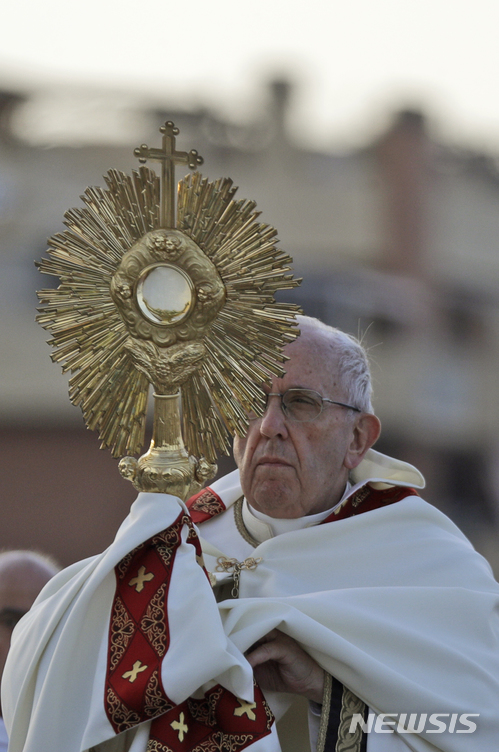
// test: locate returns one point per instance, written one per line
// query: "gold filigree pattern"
(153, 622)
(354, 500)
(208, 503)
(165, 551)
(269, 714)
(216, 729)
(122, 717)
(360, 496)
(155, 701)
(122, 566)
(204, 710)
(122, 631)
(155, 746)
(350, 704)
(220, 742)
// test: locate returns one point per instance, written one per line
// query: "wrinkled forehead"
(313, 352)
(317, 343)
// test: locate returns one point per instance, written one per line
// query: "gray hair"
(353, 364)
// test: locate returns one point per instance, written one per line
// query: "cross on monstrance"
(169, 157)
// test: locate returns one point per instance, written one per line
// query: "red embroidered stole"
(139, 638)
(366, 499)
(205, 505)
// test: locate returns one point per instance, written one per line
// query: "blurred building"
(397, 242)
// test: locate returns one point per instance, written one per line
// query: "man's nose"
(273, 422)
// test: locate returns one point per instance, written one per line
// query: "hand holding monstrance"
(186, 306)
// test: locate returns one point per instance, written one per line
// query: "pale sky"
(354, 61)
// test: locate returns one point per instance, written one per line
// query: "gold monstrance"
(186, 306)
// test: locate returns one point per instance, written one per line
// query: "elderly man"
(22, 575)
(315, 570)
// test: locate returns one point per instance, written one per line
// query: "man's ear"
(366, 430)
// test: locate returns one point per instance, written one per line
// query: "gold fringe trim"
(326, 707)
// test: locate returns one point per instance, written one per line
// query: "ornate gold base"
(167, 467)
(159, 471)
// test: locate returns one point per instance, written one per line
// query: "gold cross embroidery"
(246, 708)
(140, 579)
(136, 669)
(180, 726)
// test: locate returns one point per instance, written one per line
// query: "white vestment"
(3, 737)
(394, 603)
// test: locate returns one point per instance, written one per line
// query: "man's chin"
(276, 500)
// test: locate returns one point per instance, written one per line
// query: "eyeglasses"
(302, 405)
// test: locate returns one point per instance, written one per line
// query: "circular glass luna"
(165, 294)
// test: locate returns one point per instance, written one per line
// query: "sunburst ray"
(88, 331)
(89, 335)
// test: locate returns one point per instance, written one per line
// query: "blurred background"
(367, 133)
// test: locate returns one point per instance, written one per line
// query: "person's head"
(289, 468)
(22, 575)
